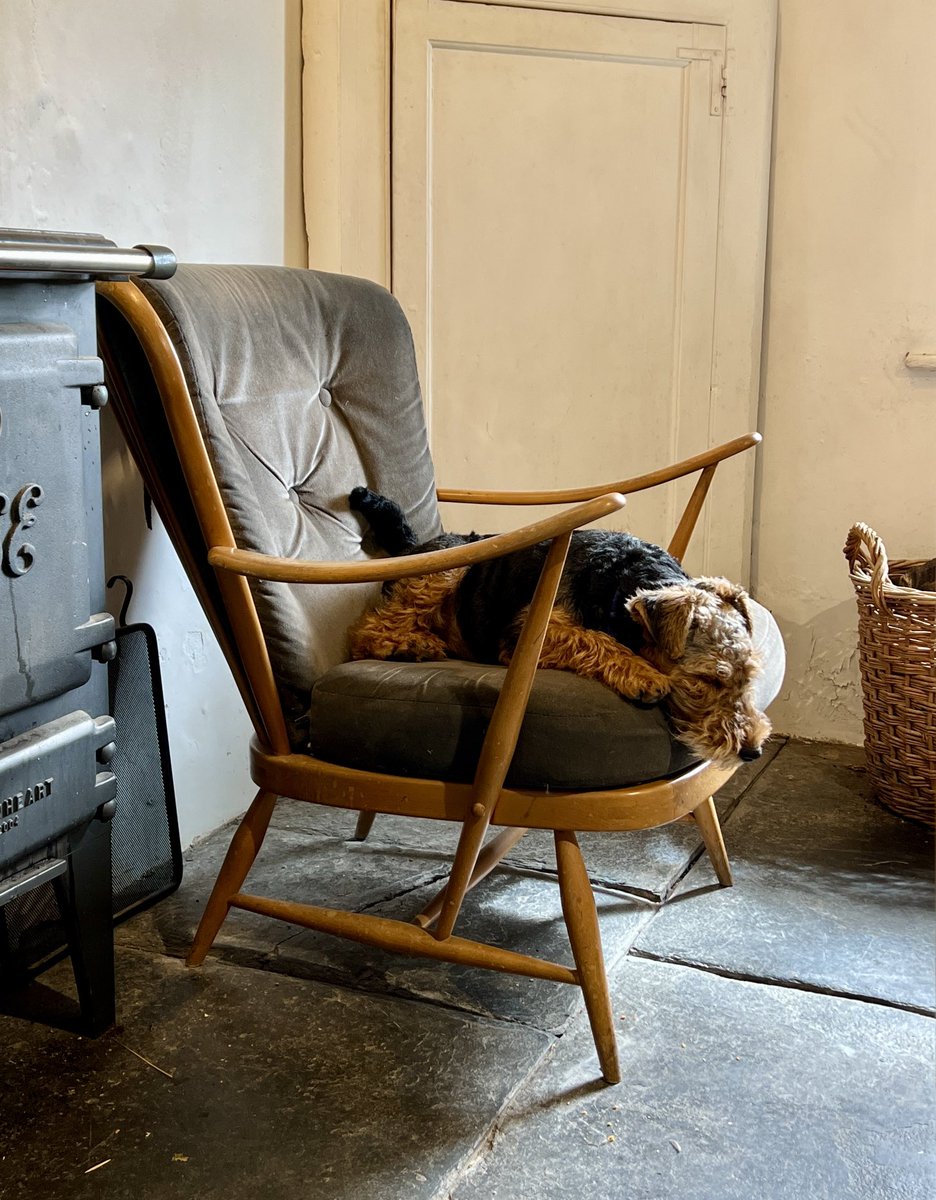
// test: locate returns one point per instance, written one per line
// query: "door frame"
(346, 90)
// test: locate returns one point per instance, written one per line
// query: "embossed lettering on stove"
(11, 806)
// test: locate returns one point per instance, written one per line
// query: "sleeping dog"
(626, 614)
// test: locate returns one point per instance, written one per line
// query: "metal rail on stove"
(97, 258)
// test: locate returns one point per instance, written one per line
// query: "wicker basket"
(897, 652)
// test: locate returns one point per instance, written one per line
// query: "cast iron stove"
(57, 795)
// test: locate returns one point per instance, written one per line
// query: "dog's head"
(699, 635)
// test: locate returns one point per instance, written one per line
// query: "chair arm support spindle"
(500, 741)
(687, 522)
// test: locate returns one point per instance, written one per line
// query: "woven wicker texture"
(897, 652)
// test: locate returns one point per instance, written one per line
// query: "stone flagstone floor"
(777, 1038)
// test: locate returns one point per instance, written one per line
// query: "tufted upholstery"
(304, 385)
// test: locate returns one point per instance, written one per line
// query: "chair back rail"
(153, 469)
(254, 660)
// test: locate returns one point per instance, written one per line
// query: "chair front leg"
(706, 817)
(244, 847)
(581, 918)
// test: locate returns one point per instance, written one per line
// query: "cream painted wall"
(175, 122)
(850, 432)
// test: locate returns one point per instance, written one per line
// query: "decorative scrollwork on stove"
(19, 556)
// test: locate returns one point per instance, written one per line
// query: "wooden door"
(555, 186)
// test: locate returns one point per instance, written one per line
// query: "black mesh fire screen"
(145, 850)
(146, 854)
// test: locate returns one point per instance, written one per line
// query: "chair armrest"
(638, 483)
(290, 570)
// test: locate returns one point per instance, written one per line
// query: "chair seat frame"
(280, 772)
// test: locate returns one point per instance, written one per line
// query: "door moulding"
(347, 78)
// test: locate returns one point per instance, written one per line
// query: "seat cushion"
(429, 719)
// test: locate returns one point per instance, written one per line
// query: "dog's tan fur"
(416, 622)
(697, 652)
(569, 646)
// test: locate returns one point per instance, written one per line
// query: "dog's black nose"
(749, 753)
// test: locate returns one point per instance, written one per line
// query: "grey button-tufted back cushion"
(304, 385)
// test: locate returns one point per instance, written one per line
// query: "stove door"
(51, 782)
(46, 627)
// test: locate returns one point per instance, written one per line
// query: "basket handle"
(866, 555)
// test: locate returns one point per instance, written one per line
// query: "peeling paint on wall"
(193, 647)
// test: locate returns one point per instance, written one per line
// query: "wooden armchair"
(254, 399)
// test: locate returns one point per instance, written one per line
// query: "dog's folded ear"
(731, 593)
(666, 615)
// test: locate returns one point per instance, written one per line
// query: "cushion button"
(325, 397)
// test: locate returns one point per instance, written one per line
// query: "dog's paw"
(649, 685)
(420, 648)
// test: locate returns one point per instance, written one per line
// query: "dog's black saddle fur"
(603, 570)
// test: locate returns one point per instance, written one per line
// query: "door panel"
(555, 204)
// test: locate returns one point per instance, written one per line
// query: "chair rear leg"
(581, 918)
(706, 817)
(490, 856)
(364, 822)
(244, 847)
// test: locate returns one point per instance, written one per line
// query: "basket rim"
(897, 591)
(869, 565)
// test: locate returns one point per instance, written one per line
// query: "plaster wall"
(849, 431)
(173, 122)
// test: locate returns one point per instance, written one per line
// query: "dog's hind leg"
(395, 632)
(569, 646)
(413, 623)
